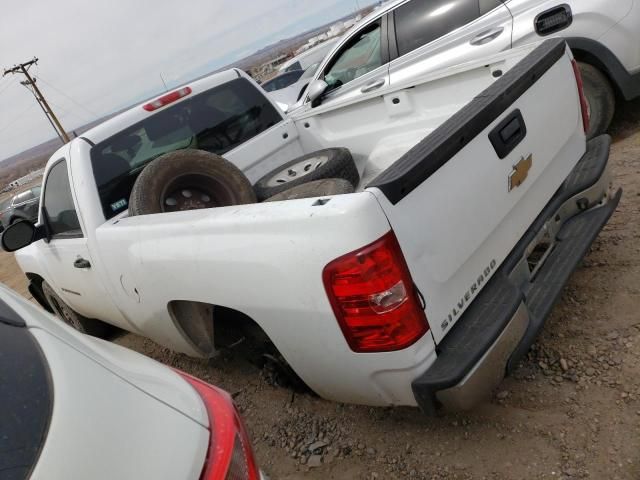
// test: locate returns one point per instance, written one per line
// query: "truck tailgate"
(460, 200)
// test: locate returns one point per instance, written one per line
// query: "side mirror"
(18, 235)
(316, 89)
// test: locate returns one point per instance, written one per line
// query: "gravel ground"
(572, 409)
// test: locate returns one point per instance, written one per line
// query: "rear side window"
(62, 217)
(420, 22)
(216, 121)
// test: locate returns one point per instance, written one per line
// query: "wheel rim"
(188, 199)
(196, 192)
(66, 316)
(297, 170)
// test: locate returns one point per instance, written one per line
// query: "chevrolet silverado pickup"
(476, 197)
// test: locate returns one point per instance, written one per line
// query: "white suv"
(409, 38)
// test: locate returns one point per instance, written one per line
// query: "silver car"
(406, 39)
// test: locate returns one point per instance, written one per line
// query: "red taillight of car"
(584, 105)
(167, 99)
(374, 298)
(230, 456)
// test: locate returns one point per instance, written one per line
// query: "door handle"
(82, 263)
(374, 85)
(488, 36)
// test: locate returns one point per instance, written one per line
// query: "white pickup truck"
(477, 196)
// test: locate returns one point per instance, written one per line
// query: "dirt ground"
(572, 410)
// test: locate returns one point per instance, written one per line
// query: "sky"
(96, 57)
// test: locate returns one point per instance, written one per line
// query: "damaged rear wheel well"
(213, 328)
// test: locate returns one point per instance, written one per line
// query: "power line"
(23, 68)
(47, 83)
(66, 112)
(9, 84)
(15, 119)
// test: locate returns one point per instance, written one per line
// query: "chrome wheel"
(297, 170)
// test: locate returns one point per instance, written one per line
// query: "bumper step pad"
(575, 239)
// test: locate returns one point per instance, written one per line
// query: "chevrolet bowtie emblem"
(520, 172)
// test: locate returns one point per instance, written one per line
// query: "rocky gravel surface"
(570, 411)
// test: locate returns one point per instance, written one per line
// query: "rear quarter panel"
(149, 376)
(266, 261)
(624, 39)
(103, 427)
(591, 19)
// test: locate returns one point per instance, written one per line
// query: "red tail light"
(230, 456)
(167, 99)
(374, 298)
(583, 99)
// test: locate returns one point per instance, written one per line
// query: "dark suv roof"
(26, 397)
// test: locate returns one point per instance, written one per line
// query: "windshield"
(216, 121)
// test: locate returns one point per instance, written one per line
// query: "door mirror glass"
(18, 235)
(316, 89)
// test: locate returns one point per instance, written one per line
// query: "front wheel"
(601, 99)
(64, 312)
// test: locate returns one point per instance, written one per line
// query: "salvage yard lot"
(572, 410)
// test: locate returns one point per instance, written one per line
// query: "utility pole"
(30, 82)
(27, 85)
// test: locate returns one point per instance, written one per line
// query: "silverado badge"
(520, 172)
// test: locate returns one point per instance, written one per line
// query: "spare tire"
(323, 164)
(189, 180)
(319, 188)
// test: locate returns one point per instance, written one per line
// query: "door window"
(61, 214)
(362, 55)
(419, 22)
(488, 5)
